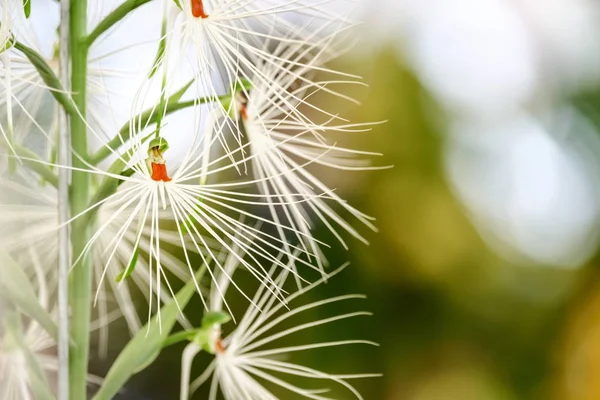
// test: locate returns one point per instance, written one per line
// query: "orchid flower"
(248, 357)
(285, 140)
(25, 201)
(203, 213)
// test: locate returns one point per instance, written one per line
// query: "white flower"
(27, 203)
(248, 357)
(278, 117)
(219, 41)
(202, 214)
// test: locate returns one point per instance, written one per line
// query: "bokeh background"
(484, 277)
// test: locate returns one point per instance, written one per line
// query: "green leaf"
(186, 226)
(27, 8)
(160, 54)
(145, 347)
(16, 288)
(175, 97)
(32, 161)
(129, 270)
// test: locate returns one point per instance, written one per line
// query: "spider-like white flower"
(26, 202)
(202, 213)
(284, 139)
(224, 40)
(248, 357)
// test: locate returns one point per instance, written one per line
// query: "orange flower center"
(198, 9)
(159, 172)
(159, 168)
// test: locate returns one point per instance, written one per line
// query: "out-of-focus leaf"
(145, 347)
(129, 270)
(27, 8)
(174, 98)
(589, 105)
(16, 288)
(160, 54)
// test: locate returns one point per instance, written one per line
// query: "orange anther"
(159, 172)
(198, 9)
(219, 347)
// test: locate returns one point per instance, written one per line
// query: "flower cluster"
(211, 169)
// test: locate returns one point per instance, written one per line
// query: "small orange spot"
(219, 347)
(198, 9)
(159, 172)
(243, 102)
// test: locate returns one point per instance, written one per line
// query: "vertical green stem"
(81, 278)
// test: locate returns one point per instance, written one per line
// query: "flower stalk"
(81, 279)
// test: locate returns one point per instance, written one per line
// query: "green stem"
(111, 19)
(81, 278)
(147, 117)
(180, 337)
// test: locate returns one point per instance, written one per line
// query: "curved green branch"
(114, 17)
(48, 76)
(148, 117)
